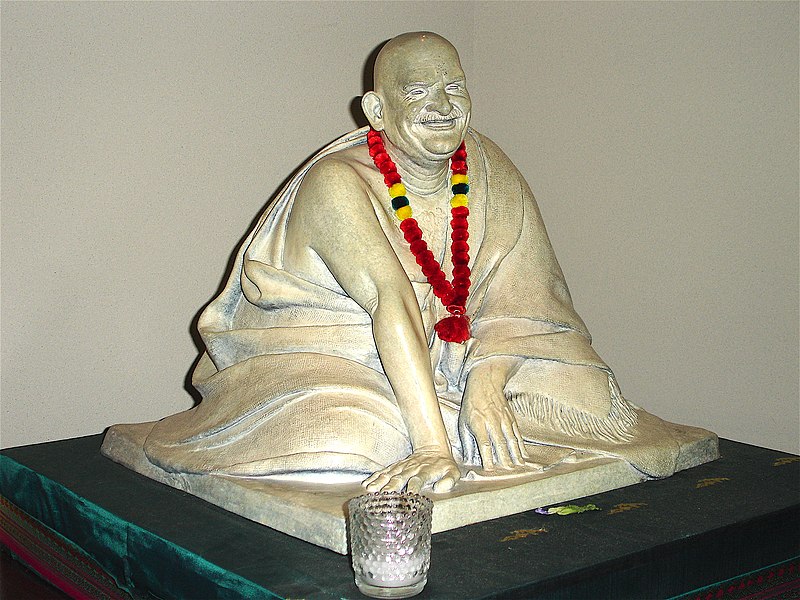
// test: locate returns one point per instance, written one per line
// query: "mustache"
(435, 117)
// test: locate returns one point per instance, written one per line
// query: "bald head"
(407, 50)
(420, 101)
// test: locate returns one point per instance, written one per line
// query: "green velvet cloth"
(653, 540)
(134, 557)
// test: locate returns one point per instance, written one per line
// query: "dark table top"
(654, 539)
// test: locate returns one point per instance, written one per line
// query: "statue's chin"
(441, 138)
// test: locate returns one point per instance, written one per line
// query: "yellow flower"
(398, 189)
(459, 200)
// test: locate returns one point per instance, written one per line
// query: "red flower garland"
(453, 295)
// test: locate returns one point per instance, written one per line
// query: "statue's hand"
(414, 472)
(486, 416)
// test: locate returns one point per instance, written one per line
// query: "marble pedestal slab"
(315, 512)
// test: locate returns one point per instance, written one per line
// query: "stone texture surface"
(315, 512)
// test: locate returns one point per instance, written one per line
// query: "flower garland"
(453, 295)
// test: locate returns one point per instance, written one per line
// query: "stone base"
(315, 512)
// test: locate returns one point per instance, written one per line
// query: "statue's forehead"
(424, 67)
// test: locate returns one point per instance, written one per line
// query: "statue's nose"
(440, 102)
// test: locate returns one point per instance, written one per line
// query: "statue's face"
(426, 106)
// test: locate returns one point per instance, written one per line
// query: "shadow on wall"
(360, 121)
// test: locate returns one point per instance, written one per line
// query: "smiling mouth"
(442, 124)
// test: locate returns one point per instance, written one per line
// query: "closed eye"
(415, 93)
(456, 86)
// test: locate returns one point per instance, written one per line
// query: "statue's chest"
(433, 217)
(432, 213)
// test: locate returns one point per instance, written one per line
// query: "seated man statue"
(398, 312)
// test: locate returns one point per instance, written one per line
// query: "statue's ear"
(373, 109)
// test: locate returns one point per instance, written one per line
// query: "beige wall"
(140, 140)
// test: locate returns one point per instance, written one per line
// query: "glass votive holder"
(390, 543)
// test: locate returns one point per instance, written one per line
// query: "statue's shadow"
(359, 120)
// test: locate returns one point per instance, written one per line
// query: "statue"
(398, 314)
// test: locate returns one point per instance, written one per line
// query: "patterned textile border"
(54, 558)
(776, 582)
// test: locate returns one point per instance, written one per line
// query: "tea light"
(390, 543)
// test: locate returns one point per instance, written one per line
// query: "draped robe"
(292, 382)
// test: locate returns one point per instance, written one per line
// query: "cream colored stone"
(316, 512)
(322, 365)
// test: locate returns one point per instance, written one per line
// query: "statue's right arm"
(333, 218)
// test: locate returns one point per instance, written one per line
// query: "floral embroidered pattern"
(519, 534)
(710, 481)
(626, 506)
